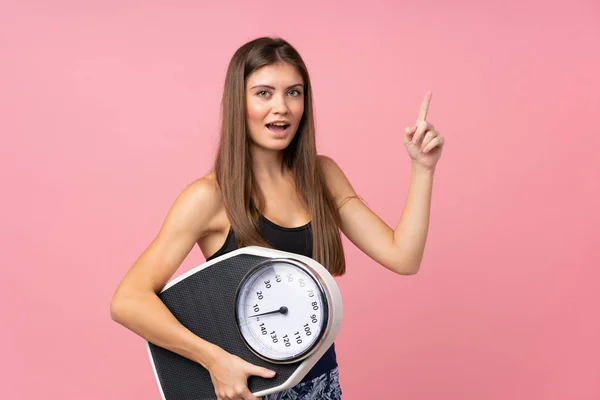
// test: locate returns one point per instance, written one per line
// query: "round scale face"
(281, 310)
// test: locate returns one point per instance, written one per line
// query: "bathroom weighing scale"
(272, 308)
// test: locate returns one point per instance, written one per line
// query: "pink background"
(108, 109)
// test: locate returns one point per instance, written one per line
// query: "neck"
(267, 165)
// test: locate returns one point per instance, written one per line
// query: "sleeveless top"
(294, 240)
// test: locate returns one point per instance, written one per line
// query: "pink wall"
(107, 109)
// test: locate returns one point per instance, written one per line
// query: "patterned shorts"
(323, 387)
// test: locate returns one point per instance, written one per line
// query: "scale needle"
(280, 310)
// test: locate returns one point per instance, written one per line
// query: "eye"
(262, 93)
(294, 92)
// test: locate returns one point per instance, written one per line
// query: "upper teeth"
(280, 123)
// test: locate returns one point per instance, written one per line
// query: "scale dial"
(281, 310)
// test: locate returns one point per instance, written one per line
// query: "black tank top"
(296, 240)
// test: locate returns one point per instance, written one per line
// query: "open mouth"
(278, 128)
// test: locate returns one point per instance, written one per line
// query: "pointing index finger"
(425, 107)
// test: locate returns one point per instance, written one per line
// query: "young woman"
(269, 187)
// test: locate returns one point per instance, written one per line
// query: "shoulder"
(199, 203)
(203, 191)
(329, 167)
(335, 179)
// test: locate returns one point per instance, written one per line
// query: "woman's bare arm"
(135, 303)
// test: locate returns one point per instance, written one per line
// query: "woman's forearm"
(146, 315)
(410, 234)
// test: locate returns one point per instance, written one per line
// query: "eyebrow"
(271, 87)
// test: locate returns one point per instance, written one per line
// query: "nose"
(280, 105)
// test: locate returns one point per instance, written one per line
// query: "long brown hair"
(233, 165)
